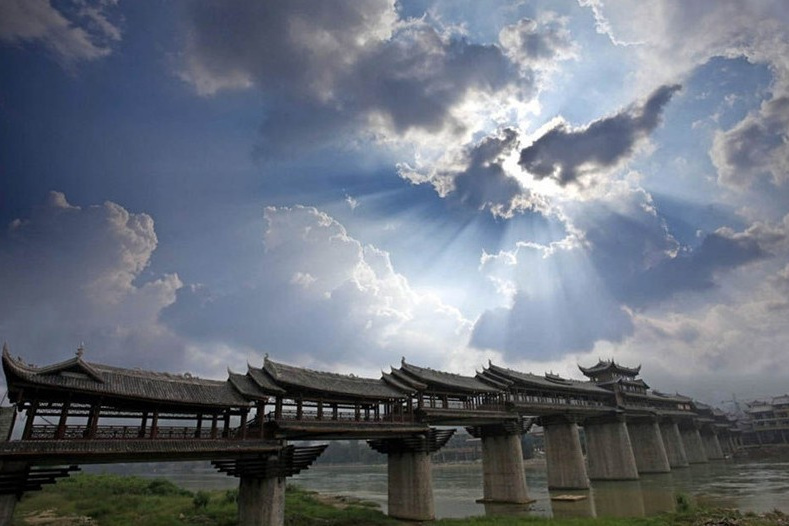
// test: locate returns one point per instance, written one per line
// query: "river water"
(748, 485)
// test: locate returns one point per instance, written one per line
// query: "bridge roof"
(447, 381)
(658, 395)
(545, 382)
(90, 379)
(609, 365)
(344, 385)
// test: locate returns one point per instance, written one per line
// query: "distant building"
(766, 422)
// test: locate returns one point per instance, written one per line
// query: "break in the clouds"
(77, 31)
(565, 154)
(359, 69)
(476, 176)
(568, 297)
(324, 298)
(77, 275)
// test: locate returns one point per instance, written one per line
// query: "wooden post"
(335, 411)
(320, 409)
(30, 417)
(61, 430)
(261, 415)
(143, 425)
(199, 430)
(93, 421)
(213, 425)
(299, 408)
(243, 428)
(278, 409)
(155, 424)
(226, 425)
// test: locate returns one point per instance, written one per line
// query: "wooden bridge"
(78, 412)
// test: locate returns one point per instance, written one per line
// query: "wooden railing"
(340, 416)
(50, 432)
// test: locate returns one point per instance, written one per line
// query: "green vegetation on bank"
(112, 500)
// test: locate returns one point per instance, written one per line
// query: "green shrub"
(201, 499)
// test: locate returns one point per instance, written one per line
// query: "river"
(749, 485)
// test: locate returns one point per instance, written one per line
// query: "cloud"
(72, 275)
(565, 154)
(756, 147)
(476, 177)
(324, 299)
(343, 70)
(619, 259)
(81, 32)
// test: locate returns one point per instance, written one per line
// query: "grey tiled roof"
(547, 382)
(72, 375)
(330, 383)
(447, 380)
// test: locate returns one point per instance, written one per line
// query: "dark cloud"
(564, 154)
(476, 177)
(354, 67)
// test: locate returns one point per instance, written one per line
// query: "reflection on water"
(750, 486)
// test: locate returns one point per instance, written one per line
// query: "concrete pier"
(7, 502)
(712, 446)
(609, 451)
(504, 478)
(566, 467)
(694, 448)
(675, 449)
(261, 501)
(411, 486)
(648, 448)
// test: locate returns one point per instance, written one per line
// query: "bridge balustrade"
(49, 432)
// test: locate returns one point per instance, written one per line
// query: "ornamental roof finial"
(80, 349)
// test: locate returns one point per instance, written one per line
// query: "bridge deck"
(44, 452)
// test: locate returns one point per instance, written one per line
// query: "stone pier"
(411, 474)
(7, 502)
(694, 448)
(712, 446)
(504, 478)
(648, 448)
(261, 501)
(608, 449)
(566, 467)
(675, 449)
(411, 486)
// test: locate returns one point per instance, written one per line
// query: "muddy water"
(748, 485)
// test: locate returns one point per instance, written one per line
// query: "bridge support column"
(7, 502)
(261, 501)
(608, 449)
(648, 448)
(566, 467)
(712, 446)
(694, 448)
(410, 473)
(503, 475)
(675, 449)
(411, 486)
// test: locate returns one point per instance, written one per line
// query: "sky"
(186, 186)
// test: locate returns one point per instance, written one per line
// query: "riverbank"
(112, 500)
